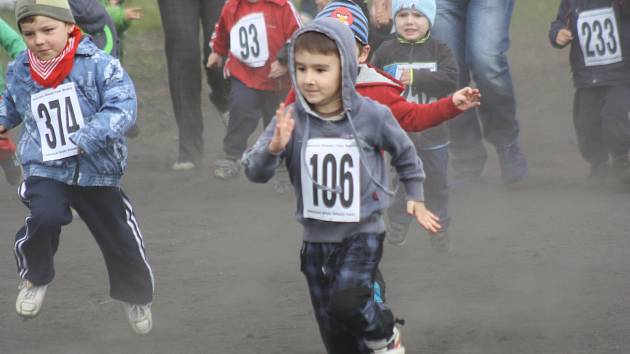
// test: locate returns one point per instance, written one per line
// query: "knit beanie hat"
(349, 14)
(426, 7)
(57, 9)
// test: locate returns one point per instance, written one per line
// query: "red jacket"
(281, 20)
(412, 117)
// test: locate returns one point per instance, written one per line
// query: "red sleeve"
(412, 117)
(290, 98)
(220, 41)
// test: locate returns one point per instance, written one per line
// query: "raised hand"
(424, 217)
(284, 129)
(467, 98)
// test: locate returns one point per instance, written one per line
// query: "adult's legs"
(180, 19)
(468, 153)
(219, 96)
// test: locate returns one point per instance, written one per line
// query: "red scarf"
(52, 72)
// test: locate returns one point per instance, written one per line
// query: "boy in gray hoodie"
(332, 140)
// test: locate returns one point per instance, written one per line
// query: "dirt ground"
(541, 267)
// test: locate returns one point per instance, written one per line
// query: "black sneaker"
(12, 170)
(441, 242)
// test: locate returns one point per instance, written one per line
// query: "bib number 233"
(599, 37)
(58, 114)
(335, 164)
(248, 40)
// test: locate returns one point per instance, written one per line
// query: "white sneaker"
(139, 317)
(183, 166)
(391, 346)
(30, 298)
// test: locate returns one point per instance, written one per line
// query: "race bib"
(333, 163)
(248, 40)
(396, 71)
(58, 114)
(599, 37)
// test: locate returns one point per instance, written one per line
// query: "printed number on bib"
(599, 37)
(335, 164)
(248, 40)
(58, 115)
(415, 96)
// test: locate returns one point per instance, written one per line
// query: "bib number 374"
(334, 164)
(58, 115)
(599, 37)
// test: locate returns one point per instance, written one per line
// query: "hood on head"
(344, 39)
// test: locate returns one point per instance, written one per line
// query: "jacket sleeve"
(404, 157)
(414, 117)
(259, 164)
(10, 40)
(9, 116)
(441, 82)
(116, 114)
(220, 40)
(562, 21)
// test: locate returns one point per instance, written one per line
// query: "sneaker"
(30, 298)
(621, 169)
(391, 346)
(184, 166)
(397, 233)
(513, 164)
(441, 242)
(12, 170)
(226, 169)
(139, 317)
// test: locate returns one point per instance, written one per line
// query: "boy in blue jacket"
(332, 140)
(75, 103)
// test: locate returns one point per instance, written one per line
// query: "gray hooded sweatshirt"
(341, 189)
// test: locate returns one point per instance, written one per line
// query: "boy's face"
(45, 36)
(411, 25)
(319, 80)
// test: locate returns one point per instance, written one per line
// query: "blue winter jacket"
(108, 102)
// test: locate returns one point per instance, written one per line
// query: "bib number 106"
(333, 173)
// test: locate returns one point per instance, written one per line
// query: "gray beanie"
(57, 9)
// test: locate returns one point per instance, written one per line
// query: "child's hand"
(134, 13)
(425, 218)
(466, 98)
(214, 60)
(277, 70)
(564, 36)
(405, 76)
(284, 129)
(380, 12)
(114, 2)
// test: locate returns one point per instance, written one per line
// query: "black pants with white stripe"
(108, 214)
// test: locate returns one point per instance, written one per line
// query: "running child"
(250, 33)
(599, 34)
(429, 70)
(74, 103)
(332, 140)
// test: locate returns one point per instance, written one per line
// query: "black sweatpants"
(601, 116)
(108, 214)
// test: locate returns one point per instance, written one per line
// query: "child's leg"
(588, 125)
(435, 164)
(245, 112)
(37, 241)
(616, 126)
(110, 217)
(314, 259)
